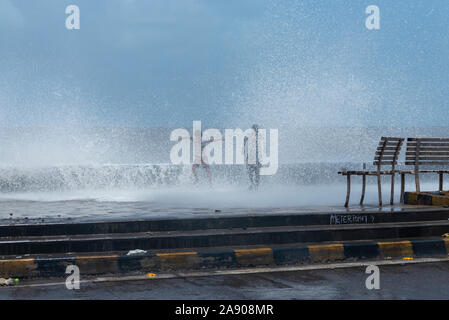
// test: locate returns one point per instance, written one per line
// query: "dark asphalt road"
(406, 281)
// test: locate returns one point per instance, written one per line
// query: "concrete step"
(369, 216)
(218, 237)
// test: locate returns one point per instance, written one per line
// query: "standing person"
(253, 168)
(200, 158)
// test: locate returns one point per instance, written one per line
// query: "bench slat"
(428, 139)
(426, 150)
(367, 173)
(385, 159)
(427, 158)
(424, 144)
(424, 171)
(386, 163)
(445, 149)
(436, 153)
(387, 153)
(428, 163)
(386, 148)
(391, 139)
(391, 143)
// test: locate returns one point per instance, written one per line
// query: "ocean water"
(120, 191)
(117, 172)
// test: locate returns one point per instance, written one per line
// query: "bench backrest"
(388, 151)
(427, 151)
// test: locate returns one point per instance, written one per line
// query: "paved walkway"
(88, 211)
(428, 280)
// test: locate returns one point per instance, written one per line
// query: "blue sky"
(227, 63)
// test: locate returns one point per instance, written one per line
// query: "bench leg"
(418, 189)
(379, 190)
(392, 190)
(363, 189)
(348, 189)
(441, 182)
(402, 187)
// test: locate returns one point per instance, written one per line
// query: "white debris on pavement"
(136, 251)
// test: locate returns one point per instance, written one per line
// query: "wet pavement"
(35, 212)
(428, 280)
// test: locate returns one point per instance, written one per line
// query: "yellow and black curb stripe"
(426, 198)
(188, 260)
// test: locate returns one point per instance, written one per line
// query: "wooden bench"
(425, 152)
(386, 155)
